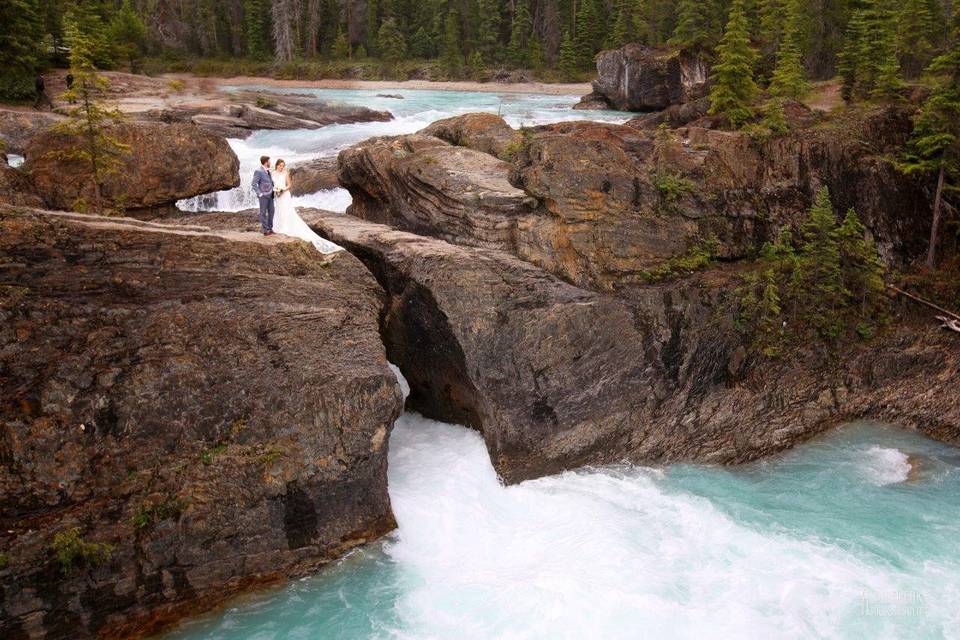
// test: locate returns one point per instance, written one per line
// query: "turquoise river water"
(855, 534)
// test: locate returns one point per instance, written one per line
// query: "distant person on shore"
(42, 97)
(69, 80)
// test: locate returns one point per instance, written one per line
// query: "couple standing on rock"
(277, 213)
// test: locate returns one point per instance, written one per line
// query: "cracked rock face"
(215, 408)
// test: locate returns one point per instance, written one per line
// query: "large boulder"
(163, 164)
(17, 127)
(313, 175)
(556, 376)
(641, 78)
(484, 132)
(213, 406)
(426, 185)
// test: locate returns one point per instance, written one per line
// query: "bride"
(286, 220)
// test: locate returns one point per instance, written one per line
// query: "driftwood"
(950, 319)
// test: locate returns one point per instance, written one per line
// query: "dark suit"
(263, 187)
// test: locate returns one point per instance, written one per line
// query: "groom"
(263, 187)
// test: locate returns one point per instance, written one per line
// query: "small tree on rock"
(89, 122)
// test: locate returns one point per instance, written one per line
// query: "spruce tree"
(89, 122)
(489, 33)
(915, 36)
(21, 52)
(860, 266)
(421, 46)
(391, 43)
(520, 31)
(536, 54)
(693, 25)
(589, 33)
(819, 268)
(733, 85)
(256, 28)
(568, 57)
(128, 34)
(934, 147)
(771, 19)
(774, 117)
(341, 48)
(868, 60)
(789, 79)
(451, 58)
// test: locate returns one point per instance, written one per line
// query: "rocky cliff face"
(164, 163)
(640, 78)
(556, 376)
(213, 406)
(603, 205)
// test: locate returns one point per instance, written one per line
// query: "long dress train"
(287, 221)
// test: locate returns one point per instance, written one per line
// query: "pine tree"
(626, 26)
(734, 88)
(87, 20)
(128, 34)
(915, 35)
(489, 33)
(693, 26)
(860, 266)
(520, 32)
(451, 59)
(89, 123)
(771, 22)
(256, 28)
(589, 33)
(868, 60)
(392, 45)
(568, 57)
(934, 147)
(341, 48)
(789, 79)
(21, 54)
(536, 53)
(421, 46)
(819, 267)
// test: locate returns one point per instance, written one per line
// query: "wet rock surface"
(213, 405)
(641, 78)
(163, 164)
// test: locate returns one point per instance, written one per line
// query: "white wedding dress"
(287, 221)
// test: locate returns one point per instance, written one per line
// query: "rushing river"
(413, 112)
(853, 535)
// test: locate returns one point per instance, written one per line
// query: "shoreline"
(556, 89)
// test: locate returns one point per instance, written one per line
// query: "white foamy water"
(14, 160)
(799, 547)
(883, 465)
(414, 112)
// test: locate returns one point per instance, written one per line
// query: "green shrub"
(151, 514)
(4, 561)
(671, 188)
(207, 456)
(72, 550)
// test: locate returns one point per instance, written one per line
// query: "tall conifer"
(733, 86)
